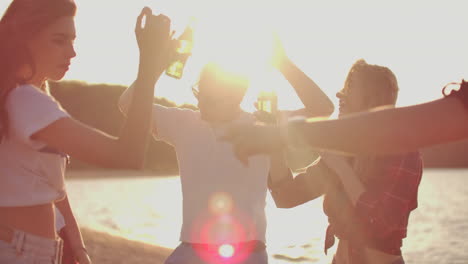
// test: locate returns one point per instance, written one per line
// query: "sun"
(240, 40)
(235, 41)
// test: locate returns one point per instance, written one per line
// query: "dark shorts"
(187, 253)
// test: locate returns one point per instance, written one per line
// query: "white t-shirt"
(30, 176)
(223, 200)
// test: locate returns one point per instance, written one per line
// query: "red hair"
(23, 20)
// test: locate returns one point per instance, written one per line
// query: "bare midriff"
(38, 220)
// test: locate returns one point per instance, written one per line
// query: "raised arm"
(316, 102)
(288, 191)
(390, 131)
(127, 150)
(386, 131)
(128, 97)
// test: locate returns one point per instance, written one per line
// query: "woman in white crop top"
(36, 45)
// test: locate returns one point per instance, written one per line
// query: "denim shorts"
(26, 248)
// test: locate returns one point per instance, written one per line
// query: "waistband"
(251, 246)
(26, 243)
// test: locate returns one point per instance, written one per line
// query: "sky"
(425, 43)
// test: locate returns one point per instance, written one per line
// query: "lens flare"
(222, 229)
(221, 203)
(226, 251)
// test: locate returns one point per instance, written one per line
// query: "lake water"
(148, 209)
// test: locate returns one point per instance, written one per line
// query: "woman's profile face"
(53, 48)
(352, 97)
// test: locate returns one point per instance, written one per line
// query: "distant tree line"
(96, 105)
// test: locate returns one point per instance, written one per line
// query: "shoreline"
(128, 174)
(112, 174)
(104, 248)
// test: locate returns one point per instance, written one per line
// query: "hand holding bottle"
(154, 41)
(183, 49)
(266, 105)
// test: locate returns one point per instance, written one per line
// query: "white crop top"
(29, 173)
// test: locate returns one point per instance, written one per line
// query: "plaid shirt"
(380, 217)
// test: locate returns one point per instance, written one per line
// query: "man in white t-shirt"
(223, 199)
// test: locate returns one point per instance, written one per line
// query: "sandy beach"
(130, 217)
(108, 249)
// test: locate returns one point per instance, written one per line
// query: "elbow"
(281, 199)
(331, 109)
(286, 201)
(328, 109)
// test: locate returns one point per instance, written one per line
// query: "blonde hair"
(380, 83)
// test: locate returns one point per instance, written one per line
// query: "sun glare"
(323, 38)
(221, 203)
(235, 41)
(240, 40)
(226, 251)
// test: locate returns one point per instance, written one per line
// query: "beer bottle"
(183, 51)
(267, 102)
